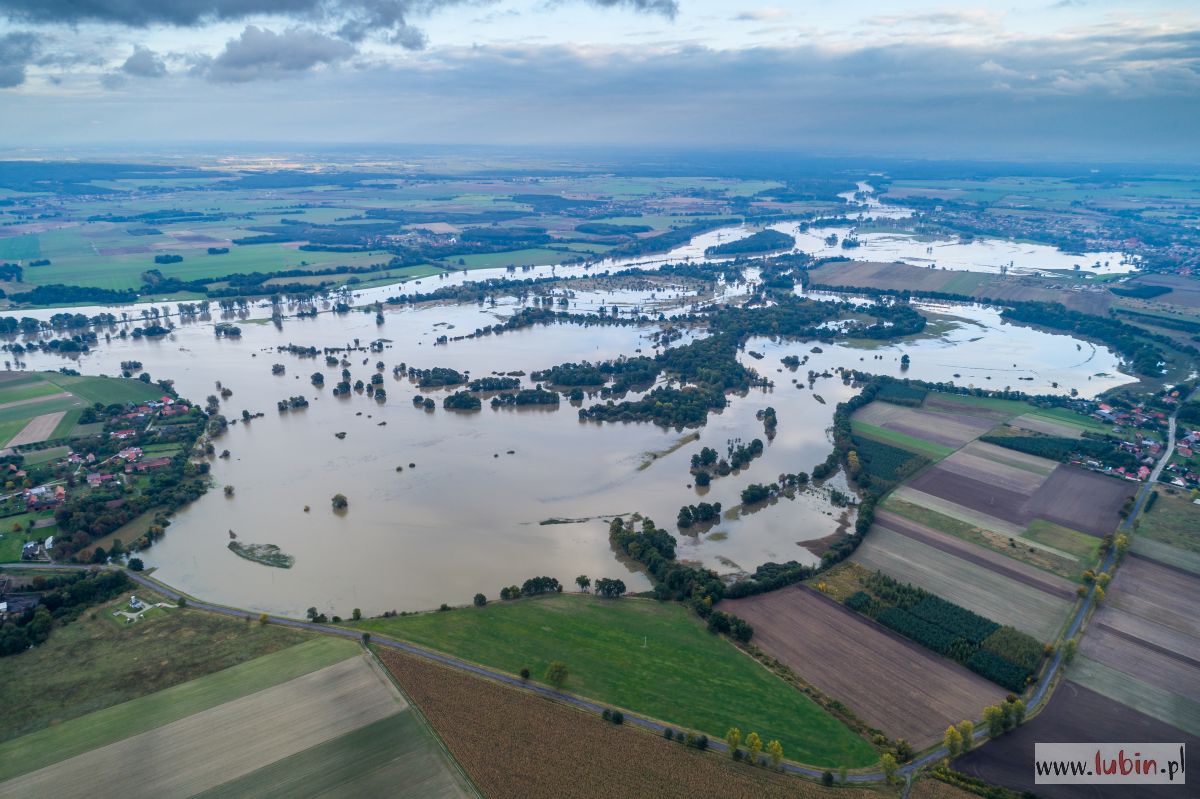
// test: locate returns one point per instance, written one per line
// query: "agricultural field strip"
(995, 411)
(1125, 653)
(1040, 424)
(1166, 554)
(36, 400)
(685, 676)
(905, 441)
(1167, 706)
(105, 726)
(1074, 713)
(980, 556)
(956, 511)
(1011, 457)
(943, 523)
(1184, 644)
(950, 430)
(499, 735)
(849, 657)
(39, 429)
(395, 756)
(1081, 500)
(1143, 584)
(222, 743)
(973, 587)
(986, 470)
(980, 495)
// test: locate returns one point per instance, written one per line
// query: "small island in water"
(266, 554)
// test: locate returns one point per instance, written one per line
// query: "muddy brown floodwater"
(466, 517)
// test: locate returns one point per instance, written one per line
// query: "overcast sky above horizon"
(1039, 79)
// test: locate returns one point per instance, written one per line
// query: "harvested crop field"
(38, 429)
(1068, 563)
(974, 587)
(1072, 497)
(1010, 457)
(395, 757)
(208, 748)
(849, 658)
(976, 494)
(1002, 475)
(1081, 500)
(1076, 714)
(516, 744)
(995, 410)
(1165, 554)
(1040, 424)
(947, 429)
(1148, 627)
(980, 556)
(1168, 596)
(1169, 708)
(955, 511)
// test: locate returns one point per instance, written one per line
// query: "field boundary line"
(419, 714)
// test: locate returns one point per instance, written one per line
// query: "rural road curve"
(1039, 696)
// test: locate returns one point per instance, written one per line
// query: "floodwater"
(464, 514)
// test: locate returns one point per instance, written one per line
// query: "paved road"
(906, 771)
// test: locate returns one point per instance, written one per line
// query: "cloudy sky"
(1047, 79)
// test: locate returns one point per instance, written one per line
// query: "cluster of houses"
(1185, 472)
(166, 406)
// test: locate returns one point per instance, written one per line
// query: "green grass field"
(106, 390)
(911, 443)
(395, 757)
(646, 656)
(494, 260)
(117, 722)
(1174, 709)
(10, 547)
(1010, 407)
(89, 664)
(1081, 545)
(10, 427)
(1071, 563)
(36, 456)
(1173, 520)
(26, 390)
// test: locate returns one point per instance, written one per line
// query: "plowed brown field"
(890, 682)
(515, 744)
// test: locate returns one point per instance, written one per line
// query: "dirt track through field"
(980, 556)
(216, 745)
(38, 429)
(891, 682)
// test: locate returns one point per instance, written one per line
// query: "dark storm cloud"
(17, 50)
(260, 53)
(144, 63)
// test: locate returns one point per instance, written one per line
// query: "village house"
(147, 465)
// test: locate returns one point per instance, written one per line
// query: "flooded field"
(445, 504)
